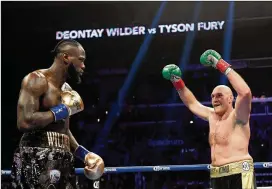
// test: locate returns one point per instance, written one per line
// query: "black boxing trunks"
(237, 175)
(43, 161)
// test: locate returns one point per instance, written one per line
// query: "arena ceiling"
(36, 23)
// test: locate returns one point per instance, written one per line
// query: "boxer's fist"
(214, 59)
(210, 58)
(72, 101)
(71, 104)
(94, 168)
(171, 71)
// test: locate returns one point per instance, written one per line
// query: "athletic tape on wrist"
(227, 71)
(60, 112)
(81, 152)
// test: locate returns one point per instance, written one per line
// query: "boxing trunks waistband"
(45, 139)
(232, 168)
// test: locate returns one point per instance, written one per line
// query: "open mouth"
(216, 105)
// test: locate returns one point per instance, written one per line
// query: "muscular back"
(37, 95)
(228, 140)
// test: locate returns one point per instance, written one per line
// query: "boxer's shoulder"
(35, 81)
(37, 74)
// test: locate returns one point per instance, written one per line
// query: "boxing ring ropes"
(174, 168)
(160, 168)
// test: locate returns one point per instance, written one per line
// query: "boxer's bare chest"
(220, 131)
(51, 97)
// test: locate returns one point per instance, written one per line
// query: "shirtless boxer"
(231, 165)
(45, 159)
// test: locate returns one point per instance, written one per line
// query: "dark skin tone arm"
(73, 143)
(28, 117)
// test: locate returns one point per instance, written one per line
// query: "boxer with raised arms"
(231, 164)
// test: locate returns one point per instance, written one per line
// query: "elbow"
(246, 93)
(26, 125)
(23, 126)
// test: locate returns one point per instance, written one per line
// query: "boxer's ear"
(65, 58)
(230, 99)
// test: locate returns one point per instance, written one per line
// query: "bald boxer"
(231, 164)
(45, 157)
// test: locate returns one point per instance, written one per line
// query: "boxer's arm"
(244, 98)
(73, 143)
(193, 104)
(173, 73)
(33, 86)
(94, 164)
(243, 101)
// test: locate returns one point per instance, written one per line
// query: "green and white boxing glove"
(214, 59)
(173, 73)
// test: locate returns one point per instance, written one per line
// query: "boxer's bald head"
(222, 98)
(223, 88)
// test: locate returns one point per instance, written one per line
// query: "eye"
(81, 59)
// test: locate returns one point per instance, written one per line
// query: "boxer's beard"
(73, 75)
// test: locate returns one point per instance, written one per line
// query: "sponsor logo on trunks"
(161, 168)
(267, 164)
(110, 170)
(57, 140)
(245, 166)
(224, 169)
(96, 184)
(54, 176)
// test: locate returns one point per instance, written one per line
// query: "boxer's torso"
(48, 99)
(54, 134)
(51, 98)
(228, 140)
